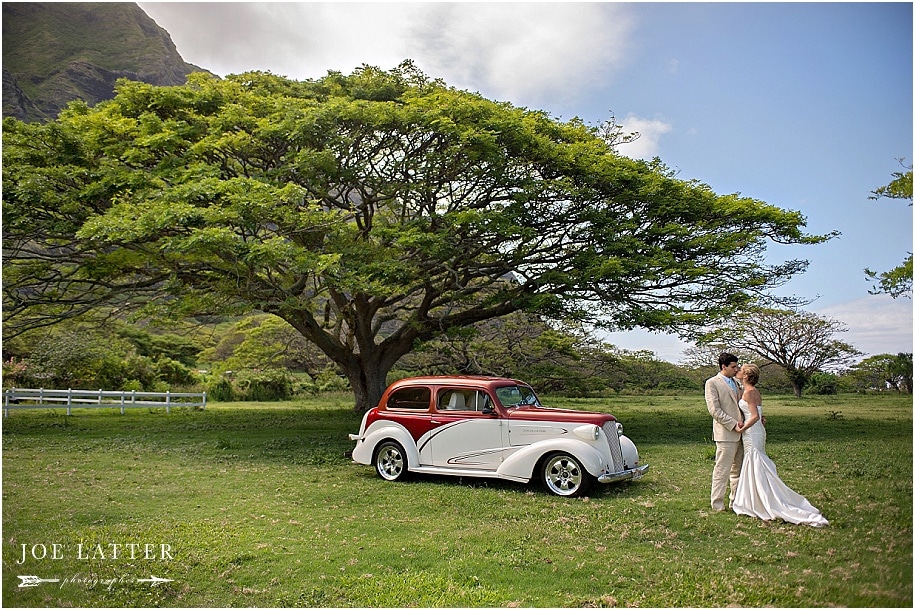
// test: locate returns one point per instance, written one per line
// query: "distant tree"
(372, 212)
(899, 372)
(881, 371)
(643, 370)
(800, 342)
(897, 281)
(701, 362)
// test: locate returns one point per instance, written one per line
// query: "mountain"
(56, 52)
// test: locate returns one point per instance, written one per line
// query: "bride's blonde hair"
(751, 373)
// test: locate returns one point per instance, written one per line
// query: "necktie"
(733, 384)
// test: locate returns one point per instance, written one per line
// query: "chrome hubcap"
(390, 462)
(563, 475)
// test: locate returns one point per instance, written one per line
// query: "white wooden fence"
(22, 398)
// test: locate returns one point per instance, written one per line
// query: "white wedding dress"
(760, 492)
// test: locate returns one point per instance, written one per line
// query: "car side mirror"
(488, 410)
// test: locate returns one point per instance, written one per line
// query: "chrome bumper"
(624, 475)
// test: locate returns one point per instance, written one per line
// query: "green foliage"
(173, 372)
(881, 371)
(263, 341)
(268, 386)
(79, 359)
(167, 345)
(897, 281)
(88, 357)
(372, 212)
(221, 390)
(823, 384)
(327, 380)
(899, 188)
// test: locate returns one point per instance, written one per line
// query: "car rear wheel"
(391, 461)
(564, 475)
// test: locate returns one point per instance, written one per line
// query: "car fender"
(630, 453)
(380, 431)
(520, 464)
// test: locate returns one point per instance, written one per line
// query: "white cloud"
(520, 52)
(877, 324)
(649, 142)
(524, 52)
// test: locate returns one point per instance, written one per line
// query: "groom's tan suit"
(721, 400)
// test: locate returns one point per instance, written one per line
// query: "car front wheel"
(391, 461)
(564, 475)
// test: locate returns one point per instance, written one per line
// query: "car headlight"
(589, 432)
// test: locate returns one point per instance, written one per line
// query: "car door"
(467, 433)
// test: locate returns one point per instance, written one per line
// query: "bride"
(760, 491)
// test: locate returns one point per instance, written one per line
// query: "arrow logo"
(34, 581)
(155, 580)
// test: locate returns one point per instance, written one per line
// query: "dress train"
(761, 492)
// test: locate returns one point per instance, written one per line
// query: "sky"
(807, 106)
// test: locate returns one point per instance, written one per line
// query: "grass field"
(247, 505)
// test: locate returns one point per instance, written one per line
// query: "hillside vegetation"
(57, 52)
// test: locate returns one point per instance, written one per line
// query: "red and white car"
(492, 427)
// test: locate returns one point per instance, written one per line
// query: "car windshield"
(517, 396)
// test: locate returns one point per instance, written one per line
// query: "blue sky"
(807, 106)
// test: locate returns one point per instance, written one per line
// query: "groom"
(721, 396)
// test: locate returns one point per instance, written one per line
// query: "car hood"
(531, 413)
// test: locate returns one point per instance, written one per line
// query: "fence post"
(69, 401)
(6, 402)
(168, 401)
(122, 402)
(204, 401)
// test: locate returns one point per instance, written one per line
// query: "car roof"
(477, 380)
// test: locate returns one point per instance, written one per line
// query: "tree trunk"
(798, 380)
(368, 384)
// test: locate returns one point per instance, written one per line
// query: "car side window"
(515, 396)
(410, 398)
(481, 400)
(463, 400)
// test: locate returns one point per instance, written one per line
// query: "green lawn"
(256, 505)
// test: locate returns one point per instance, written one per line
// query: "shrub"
(221, 390)
(823, 384)
(268, 386)
(174, 372)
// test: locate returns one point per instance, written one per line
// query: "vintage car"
(491, 427)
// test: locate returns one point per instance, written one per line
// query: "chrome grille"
(613, 438)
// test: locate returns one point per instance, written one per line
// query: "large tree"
(371, 212)
(799, 341)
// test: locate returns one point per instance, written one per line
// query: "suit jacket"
(722, 406)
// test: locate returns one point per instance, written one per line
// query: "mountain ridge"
(57, 52)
